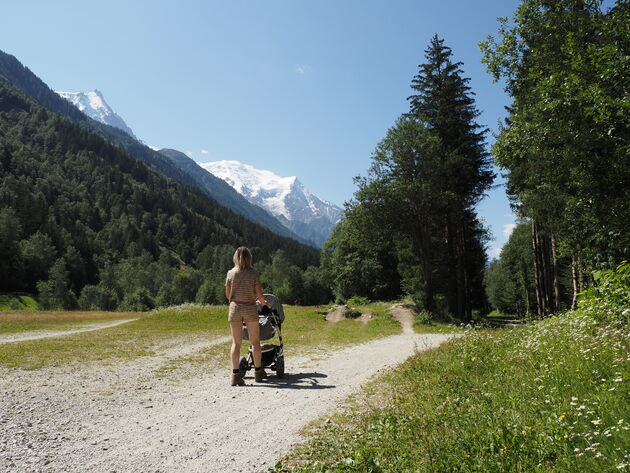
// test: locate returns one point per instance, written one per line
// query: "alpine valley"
(92, 218)
(307, 216)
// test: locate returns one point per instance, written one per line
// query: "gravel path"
(122, 418)
(36, 335)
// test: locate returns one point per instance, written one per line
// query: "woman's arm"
(228, 289)
(261, 296)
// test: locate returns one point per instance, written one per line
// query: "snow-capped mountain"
(94, 106)
(285, 198)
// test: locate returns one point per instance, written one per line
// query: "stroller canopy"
(274, 304)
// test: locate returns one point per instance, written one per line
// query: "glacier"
(286, 198)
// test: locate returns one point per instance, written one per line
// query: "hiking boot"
(237, 379)
(259, 375)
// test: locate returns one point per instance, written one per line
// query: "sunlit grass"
(548, 397)
(142, 337)
(16, 322)
(305, 331)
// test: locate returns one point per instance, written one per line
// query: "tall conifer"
(444, 103)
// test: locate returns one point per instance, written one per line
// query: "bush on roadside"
(424, 317)
(608, 300)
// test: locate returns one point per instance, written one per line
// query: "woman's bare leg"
(237, 339)
(253, 330)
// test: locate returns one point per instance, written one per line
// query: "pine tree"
(445, 105)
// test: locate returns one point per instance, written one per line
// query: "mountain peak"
(286, 198)
(93, 104)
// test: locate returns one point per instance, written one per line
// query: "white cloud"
(189, 153)
(205, 151)
(302, 68)
(495, 252)
(508, 228)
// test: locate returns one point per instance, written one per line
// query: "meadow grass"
(305, 332)
(551, 396)
(16, 322)
(142, 337)
(306, 328)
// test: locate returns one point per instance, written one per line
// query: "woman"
(242, 285)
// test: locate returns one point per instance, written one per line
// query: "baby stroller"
(270, 319)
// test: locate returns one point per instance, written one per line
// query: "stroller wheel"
(243, 365)
(280, 366)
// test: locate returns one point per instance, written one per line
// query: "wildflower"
(566, 436)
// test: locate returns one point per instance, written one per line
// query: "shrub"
(139, 301)
(352, 313)
(97, 298)
(608, 300)
(207, 293)
(424, 317)
(355, 301)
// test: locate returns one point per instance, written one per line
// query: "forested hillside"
(181, 168)
(82, 222)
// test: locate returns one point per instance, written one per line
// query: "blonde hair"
(242, 258)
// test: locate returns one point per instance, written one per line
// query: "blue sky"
(305, 88)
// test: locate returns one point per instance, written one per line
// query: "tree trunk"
(544, 271)
(422, 247)
(538, 279)
(574, 278)
(453, 286)
(463, 285)
(556, 280)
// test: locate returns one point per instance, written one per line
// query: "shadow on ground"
(296, 381)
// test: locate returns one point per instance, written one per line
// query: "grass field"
(305, 331)
(551, 396)
(17, 322)
(142, 337)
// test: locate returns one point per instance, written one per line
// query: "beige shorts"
(243, 312)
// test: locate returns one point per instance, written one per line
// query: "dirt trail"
(22, 337)
(336, 315)
(122, 418)
(405, 315)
